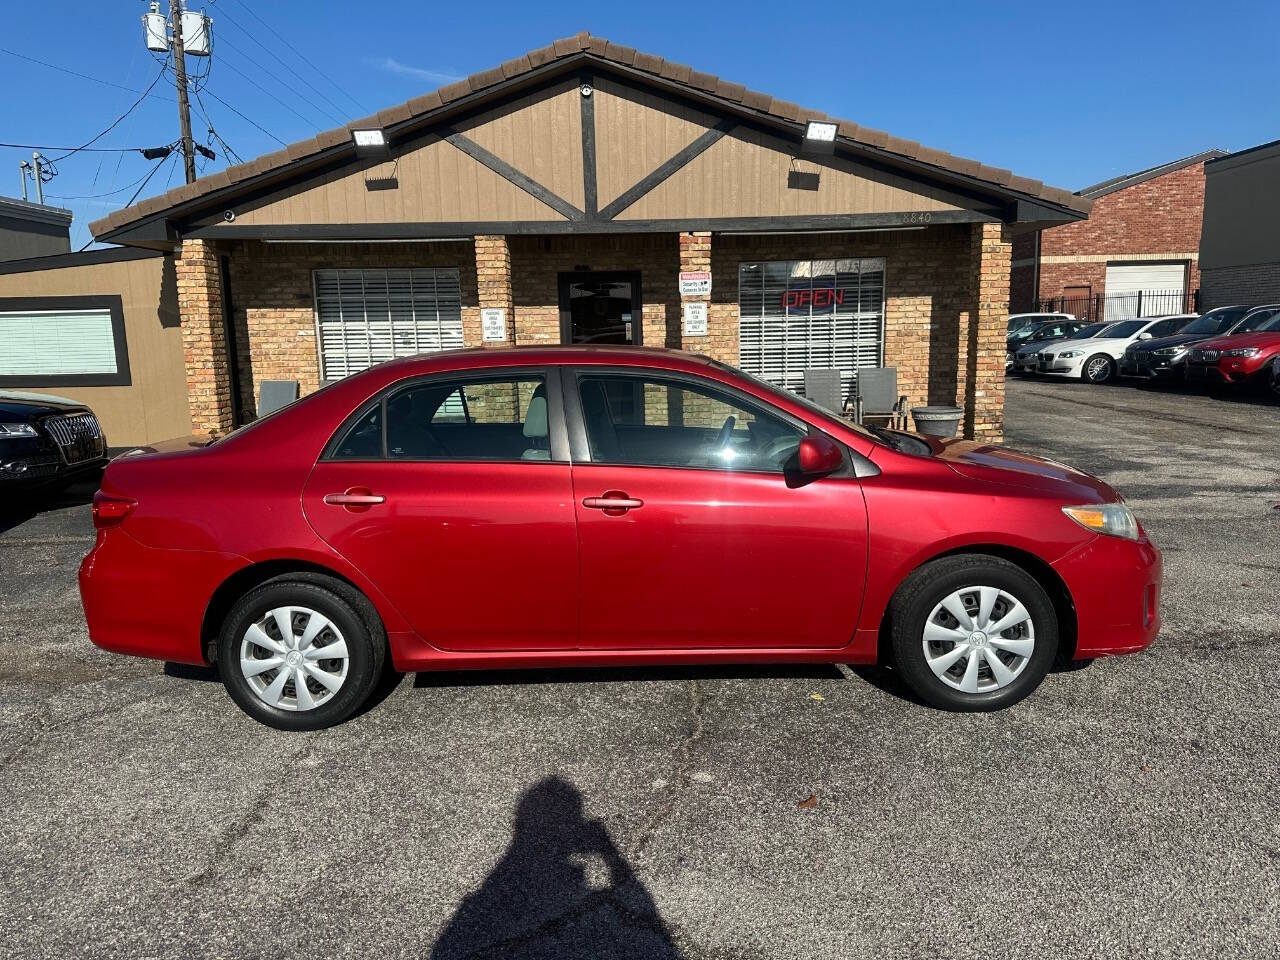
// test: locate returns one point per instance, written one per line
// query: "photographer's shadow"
(562, 889)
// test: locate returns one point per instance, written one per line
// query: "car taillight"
(109, 510)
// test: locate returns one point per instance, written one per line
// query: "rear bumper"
(1115, 585)
(150, 602)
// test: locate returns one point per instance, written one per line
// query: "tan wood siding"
(437, 183)
(154, 407)
(540, 135)
(636, 132)
(745, 174)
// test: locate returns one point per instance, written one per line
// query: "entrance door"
(600, 308)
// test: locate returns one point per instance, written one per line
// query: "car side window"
(363, 439)
(652, 421)
(490, 419)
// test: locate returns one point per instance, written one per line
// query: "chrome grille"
(1204, 356)
(79, 437)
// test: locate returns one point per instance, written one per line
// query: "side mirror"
(1144, 335)
(819, 456)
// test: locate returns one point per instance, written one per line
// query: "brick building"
(1136, 255)
(585, 192)
(1240, 242)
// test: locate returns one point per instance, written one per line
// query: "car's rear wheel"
(1098, 369)
(298, 655)
(972, 633)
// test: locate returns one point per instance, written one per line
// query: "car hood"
(1098, 343)
(999, 464)
(25, 406)
(1163, 343)
(1268, 339)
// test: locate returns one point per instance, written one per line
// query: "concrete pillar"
(695, 256)
(493, 284)
(204, 343)
(983, 349)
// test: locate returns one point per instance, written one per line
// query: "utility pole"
(180, 74)
(35, 165)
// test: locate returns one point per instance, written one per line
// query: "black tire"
(1105, 373)
(927, 587)
(346, 608)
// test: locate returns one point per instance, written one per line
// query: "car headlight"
(1113, 519)
(1008, 358)
(8, 430)
(1170, 351)
(1067, 355)
(1242, 352)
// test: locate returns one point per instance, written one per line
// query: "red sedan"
(1242, 357)
(582, 506)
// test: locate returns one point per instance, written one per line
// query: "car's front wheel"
(972, 633)
(1098, 369)
(299, 654)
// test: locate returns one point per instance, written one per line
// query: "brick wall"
(273, 301)
(984, 331)
(204, 344)
(1254, 284)
(493, 281)
(1156, 217)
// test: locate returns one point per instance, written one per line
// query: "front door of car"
(454, 496)
(693, 528)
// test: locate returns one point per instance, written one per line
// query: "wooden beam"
(656, 176)
(588, 81)
(510, 173)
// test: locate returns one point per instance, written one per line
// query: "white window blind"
(366, 316)
(800, 314)
(38, 343)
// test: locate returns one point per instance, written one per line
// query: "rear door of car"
(453, 493)
(692, 533)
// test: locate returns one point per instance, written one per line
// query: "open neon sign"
(819, 298)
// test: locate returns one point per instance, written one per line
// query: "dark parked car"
(1165, 357)
(1055, 329)
(47, 442)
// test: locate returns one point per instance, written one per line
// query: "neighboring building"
(559, 198)
(102, 328)
(1240, 242)
(1136, 255)
(32, 230)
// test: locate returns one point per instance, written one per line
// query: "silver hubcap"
(294, 658)
(1097, 368)
(978, 639)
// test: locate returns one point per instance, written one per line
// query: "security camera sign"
(695, 284)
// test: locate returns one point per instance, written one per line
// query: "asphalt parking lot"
(1126, 809)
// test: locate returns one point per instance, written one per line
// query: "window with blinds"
(799, 314)
(57, 343)
(366, 316)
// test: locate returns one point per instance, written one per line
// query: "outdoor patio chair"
(822, 386)
(876, 397)
(276, 394)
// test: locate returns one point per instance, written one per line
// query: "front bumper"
(1059, 368)
(1115, 586)
(1148, 366)
(1225, 370)
(42, 468)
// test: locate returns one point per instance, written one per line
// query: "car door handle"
(613, 501)
(353, 499)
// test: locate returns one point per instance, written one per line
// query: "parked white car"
(1027, 356)
(1097, 359)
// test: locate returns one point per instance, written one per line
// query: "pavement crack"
(680, 771)
(42, 728)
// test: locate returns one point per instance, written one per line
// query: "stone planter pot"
(937, 421)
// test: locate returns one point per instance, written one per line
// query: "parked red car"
(1241, 357)
(600, 506)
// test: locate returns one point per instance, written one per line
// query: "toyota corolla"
(595, 506)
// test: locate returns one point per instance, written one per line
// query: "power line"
(226, 15)
(114, 123)
(302, 56)
(36, 146)
(235, 69)
(148, 177)
(74, 73)
(226, 147)
(284, 84)
(246, 119)
(99, 196)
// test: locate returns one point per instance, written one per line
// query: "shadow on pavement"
(21, 507)
(562, 889)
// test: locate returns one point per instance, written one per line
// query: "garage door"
(1145, 289)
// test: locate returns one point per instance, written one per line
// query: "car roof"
(553, 355)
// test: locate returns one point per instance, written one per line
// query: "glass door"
(600, 308)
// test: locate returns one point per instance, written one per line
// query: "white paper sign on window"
(493, 323)
(695, 319)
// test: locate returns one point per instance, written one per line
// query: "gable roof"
(1133, 179)
(563, 53)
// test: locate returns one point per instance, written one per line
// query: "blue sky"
(1069, 93)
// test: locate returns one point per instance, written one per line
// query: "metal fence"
(1122, 306)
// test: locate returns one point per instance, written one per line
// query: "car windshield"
(1025, 331)
(1258, 320)
(1126, 328)
(1091, 330)
(1272, 325)
(1215, 321)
